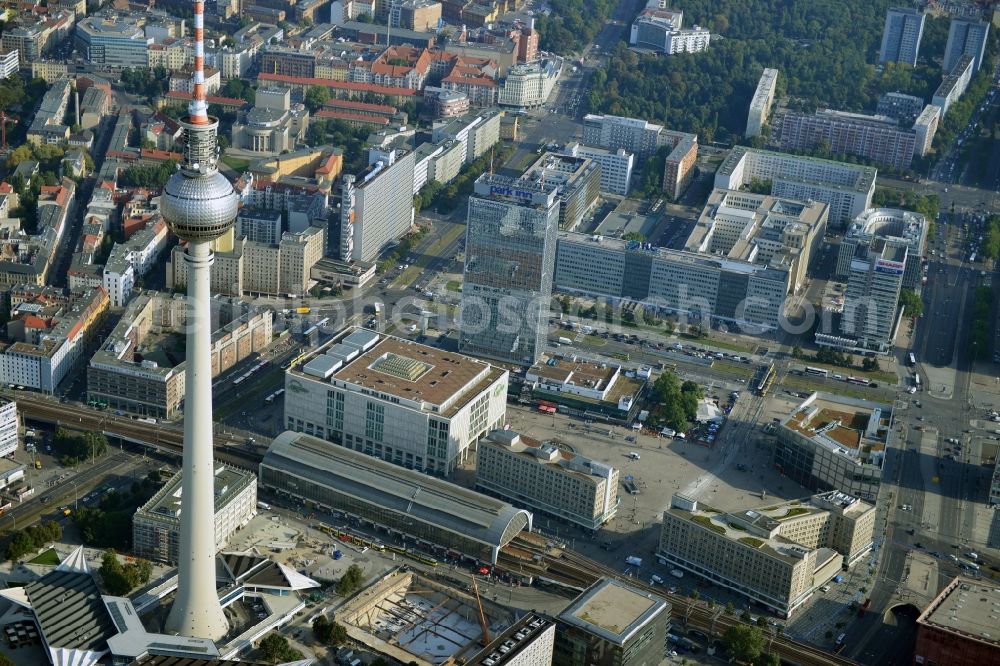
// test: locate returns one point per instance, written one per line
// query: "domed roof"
(199, 208)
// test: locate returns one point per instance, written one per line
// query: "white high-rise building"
(8, 428)
(904, 27)
(965, 38)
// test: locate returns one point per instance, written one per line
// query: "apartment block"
(830, 442)
(847, 188)
(510, 251)
(259, 225)
(43, 344)
(925, 127)
(672, 281)
(477, 132)
(577, 180)
(904, 27)
(9, 62)
(419, 15)
(660, 30)
(156, 525)
(546, 478)
(613, 132)
(876, 138)
(612, 624)
(134, 368)
(678, 167)
(376, 206)
(954, 85)
(965, 38)
(760, 104)
(257, 267)
(616, 166)
(372, 393)
(777, 556)
(886, 224)
(761, 229)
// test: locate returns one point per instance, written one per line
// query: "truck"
(378, 309)
(634, 561)
(565, 341)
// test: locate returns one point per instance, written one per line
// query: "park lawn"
(737, 369)
(47, 557)
(453, 285)
(235, 163)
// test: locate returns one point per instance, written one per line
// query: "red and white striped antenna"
(198, 110)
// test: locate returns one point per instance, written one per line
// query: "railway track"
(713, 622)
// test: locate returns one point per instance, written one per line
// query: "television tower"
(199, 205)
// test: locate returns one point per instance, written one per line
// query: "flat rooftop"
(166, 504)
(861, 177)
(967, 608)
(613, 610)
(543, 453)
(854, 428)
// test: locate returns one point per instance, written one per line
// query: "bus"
(911, 359)
(818, 372)
(858, 380)
(546, 407)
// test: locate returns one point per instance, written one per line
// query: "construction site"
(417, 620)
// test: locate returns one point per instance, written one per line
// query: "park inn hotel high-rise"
(510, 254)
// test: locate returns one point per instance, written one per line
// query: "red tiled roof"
(160, 155)
(212, 99)
(359, 106)
(347, 115)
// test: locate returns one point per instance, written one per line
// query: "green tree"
(796, 352)
(351, 581)
(771, 659)
(730, 608)
(745, 615)
(18, 155)
(745, 643)
(911, 301)
(329, 633)
(315, 97)
(6, 661)
(274, 647)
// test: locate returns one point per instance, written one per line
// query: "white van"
(633, 455)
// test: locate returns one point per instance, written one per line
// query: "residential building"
(510, 253)
(903, 108)
(612, 624)
(476, 132)
(259, 225)
(419, 506)
(965, 38)
(419, 15)
(95, 104)
(867, 320)
(847, 188)
(47, 126)
(9, 62)
(672, 281)
(376, 206)
(959, 626)
(371, 393)
(545, 478)
(777, 556)
(113, 41)
(50, 70)
(577, 180)
(887, 224)
(129, 261)
(678, 167)
(760, 104)
(273, 125)
(954, 85)
(279, 59)
(876, 138)
(41, 350)
(528, 642)
(904, 27)
(132, 370)
(616, 166)
(259, 267)
(761, 229)
(529, 85)
(9, 425)
(31, 34)
(660, 30)
(446, 103)
(830, 442)
(182, 80)
(156, 524)
(925, 127)
(614, 132)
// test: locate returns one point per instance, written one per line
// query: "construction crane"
(482, 616)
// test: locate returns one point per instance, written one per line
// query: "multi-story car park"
(403, 402)
(408, 504)
(777, 556)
